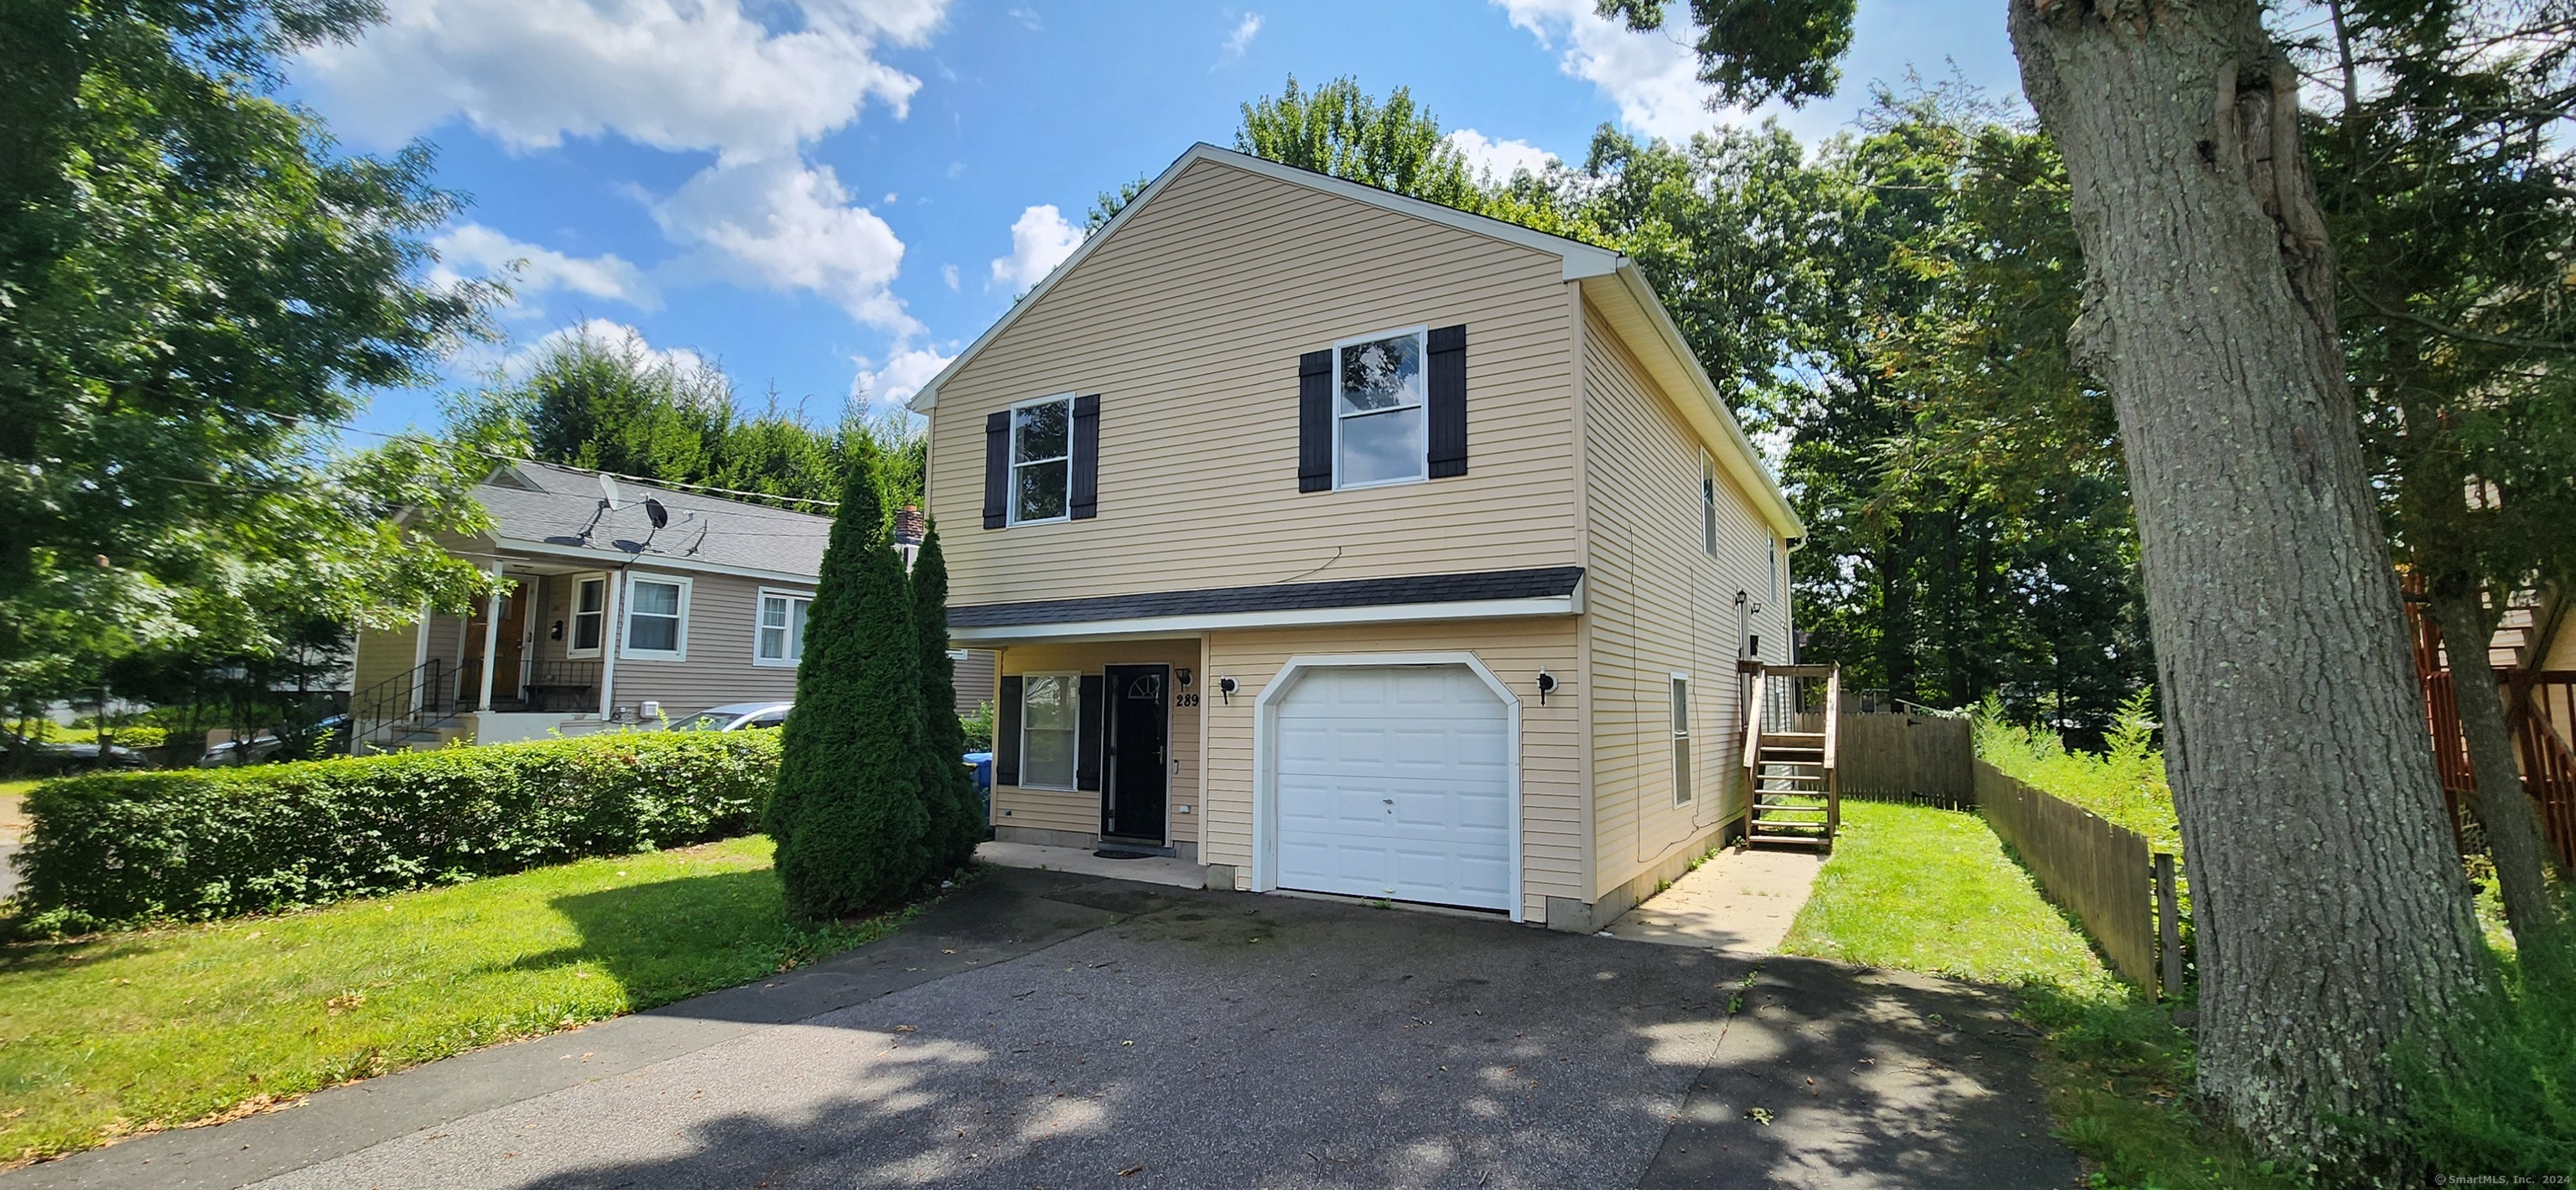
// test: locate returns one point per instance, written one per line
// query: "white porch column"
(419, 656)
(491, 641)
(608, 648)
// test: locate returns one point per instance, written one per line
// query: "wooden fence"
(2103, 873)
(1887, 756)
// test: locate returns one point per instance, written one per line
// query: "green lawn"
(1935, 891)
(119, 1033)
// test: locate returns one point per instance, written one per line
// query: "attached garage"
(1392, 777)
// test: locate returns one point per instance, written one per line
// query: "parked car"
(265, 745)
(18, 754)
(735, 716)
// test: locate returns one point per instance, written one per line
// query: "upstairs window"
(1708, 505)
(1381, 434)
(1042, 460)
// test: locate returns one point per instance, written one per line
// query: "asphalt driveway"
(1044, 1029)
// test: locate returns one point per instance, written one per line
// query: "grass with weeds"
(113, 1034)
(1931, 890)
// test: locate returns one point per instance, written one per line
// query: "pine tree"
(847, 814)
(948, 793)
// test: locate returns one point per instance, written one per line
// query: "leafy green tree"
(193, 287)
(2445, 177)
(849, 815)
(1344, 131)
(615, 405)
(948, 790)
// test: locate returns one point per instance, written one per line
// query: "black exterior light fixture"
(1546, 686)
(1227, 687)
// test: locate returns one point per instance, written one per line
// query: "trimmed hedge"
(113, 849)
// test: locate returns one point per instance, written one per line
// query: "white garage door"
(1395, 781)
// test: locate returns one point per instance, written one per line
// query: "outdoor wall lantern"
(1182, 676)
(557, 632)
(1546, 686)
(1227, 687)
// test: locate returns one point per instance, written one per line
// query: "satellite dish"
(608, 493)
(654, 512)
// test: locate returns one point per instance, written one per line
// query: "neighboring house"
(609, 620)
(1350, 543)
(2532, 657)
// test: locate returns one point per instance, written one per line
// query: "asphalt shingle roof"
(1532, 583)
(558, 511)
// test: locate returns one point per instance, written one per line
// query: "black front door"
(1139, 728)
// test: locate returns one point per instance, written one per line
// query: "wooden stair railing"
(1791, 756)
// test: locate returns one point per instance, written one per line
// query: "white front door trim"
(1265, 749)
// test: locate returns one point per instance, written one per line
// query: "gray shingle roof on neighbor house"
(1533, 583)
(550, 507)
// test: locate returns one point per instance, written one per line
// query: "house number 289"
(1185, 700)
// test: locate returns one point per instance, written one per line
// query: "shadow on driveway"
(1209, 1039)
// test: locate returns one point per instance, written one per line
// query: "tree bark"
(2332, 913)
(2503, 807)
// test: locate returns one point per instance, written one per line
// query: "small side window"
(1681, 741)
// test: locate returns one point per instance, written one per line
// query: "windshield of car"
(705, 721)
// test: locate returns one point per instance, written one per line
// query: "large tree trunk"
(2502, 806)
(2331, 911)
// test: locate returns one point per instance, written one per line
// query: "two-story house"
(1349, 543)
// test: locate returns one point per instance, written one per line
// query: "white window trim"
(1708, 504)
(626, 649)
(1011, 495)
(1073, 683)
(1333, 400)
(573, 614)
(759, 600)
(1685, 789)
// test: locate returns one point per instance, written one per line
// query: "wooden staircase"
(1790, 771)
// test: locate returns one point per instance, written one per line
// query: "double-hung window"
(781, 639)
(657, 618)
(1681, 741)
(1042, 460)
(1381, 433)
(589, 617)
(1050, 718)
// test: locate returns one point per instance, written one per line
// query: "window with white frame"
(1050, 716)
(1381, 433)
(1042, 460)
(1681, 741)
(657, 618)
(781, 639)
(1777, 548)
(1708, 505)
(589, 617)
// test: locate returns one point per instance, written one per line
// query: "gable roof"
(544, 509)
(1612, 281)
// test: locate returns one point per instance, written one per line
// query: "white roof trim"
(1581, 259)
(1740, 460)
(1161, 626)
(621, 561)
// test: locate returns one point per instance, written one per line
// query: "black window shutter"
(1085, 502)
(1086, 747)
(997, 469)
(1315, 421)
(1006, 733)
(1448, 400)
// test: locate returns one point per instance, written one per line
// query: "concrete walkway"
(1153, 869)
(1047, 1029)
(1740, 902)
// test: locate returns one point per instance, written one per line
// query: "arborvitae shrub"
(956, 816)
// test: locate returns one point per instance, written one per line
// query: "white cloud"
(1651, 76)
(1040, 240)
(475, 251)
(674, 74)
(948, 273)
(788, 225)
(1239, 40)
(1028, 19)
(903, 375)
(1500, 158)
(617, 338)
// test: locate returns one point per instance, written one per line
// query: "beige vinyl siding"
(1657, 604)
(1189, 322)
(976, 679)
(1552, 794)
(1078, 810)
(718, 668)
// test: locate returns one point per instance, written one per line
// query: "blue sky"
(835, 192)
